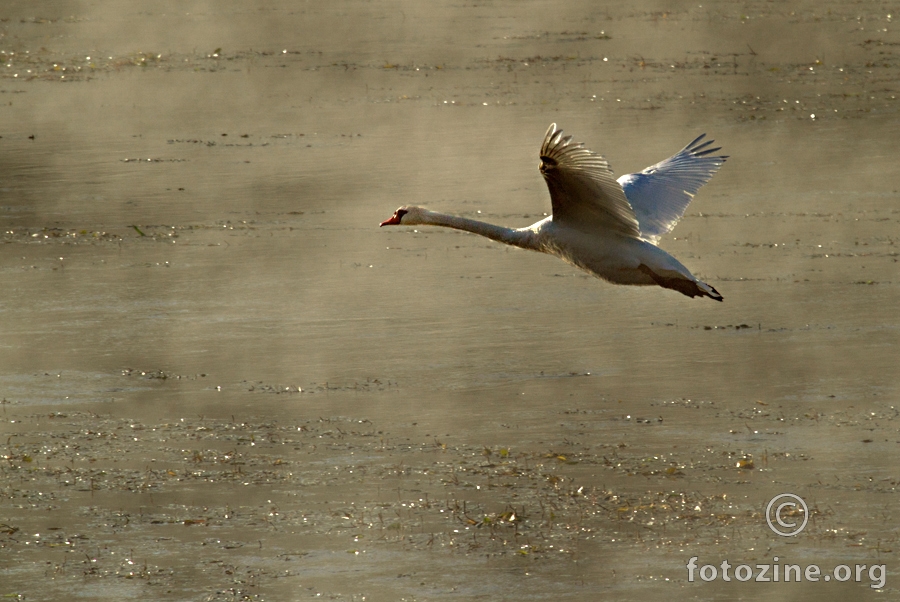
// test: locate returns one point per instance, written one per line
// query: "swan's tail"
(692, 288)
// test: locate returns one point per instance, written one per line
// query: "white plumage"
(605, 226)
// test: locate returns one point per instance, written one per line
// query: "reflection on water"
(190, 232)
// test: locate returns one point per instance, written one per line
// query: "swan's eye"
(400, 213)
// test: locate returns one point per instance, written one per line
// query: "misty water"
(221, 380)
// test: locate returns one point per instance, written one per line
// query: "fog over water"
(221, 380)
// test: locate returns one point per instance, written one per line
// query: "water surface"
(221, 379)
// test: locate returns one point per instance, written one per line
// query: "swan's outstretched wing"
(660, 194)
(583, 191)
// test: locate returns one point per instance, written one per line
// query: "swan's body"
(605, 226)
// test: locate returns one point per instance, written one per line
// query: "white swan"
(605, 226)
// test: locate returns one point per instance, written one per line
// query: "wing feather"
(583, 191)
(660, 194)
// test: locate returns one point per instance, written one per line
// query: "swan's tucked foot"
(691, 288)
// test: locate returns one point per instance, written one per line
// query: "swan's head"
(407, 216)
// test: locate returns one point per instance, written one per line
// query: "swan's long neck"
(524, 237)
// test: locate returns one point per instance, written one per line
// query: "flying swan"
(605, 226)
